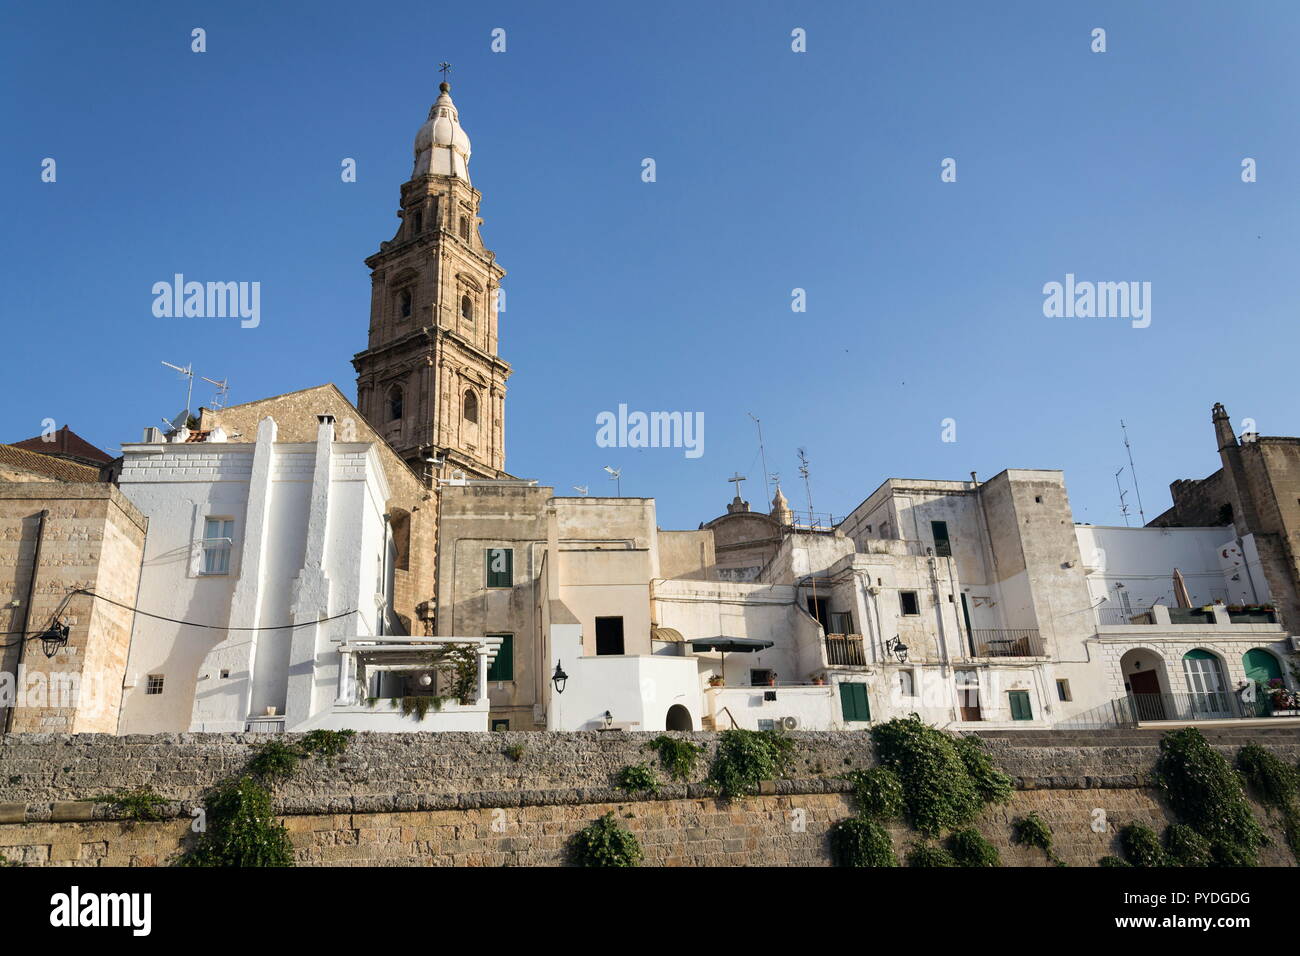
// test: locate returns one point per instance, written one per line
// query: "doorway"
(968, 695)
(679, 718)
(609, 635)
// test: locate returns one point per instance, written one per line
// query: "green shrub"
(677, 756)
(927, 854)
(241, 829)
(745, 757)
(969, 848)
(1032, 830)
(877, 792)
(1185, 847)
(605, 843)
(991, 784)
(1205, 793)
(860, 842)
(939, 792)
(1141, 846)
(274, 761)
(136, 805)
(1273, 781)
(327, 744)
(638, 778)
(516, 752)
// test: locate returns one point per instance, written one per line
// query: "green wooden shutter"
(503, 668)
(1020, 709)
(500, 567)
(1261, 666)
(853, 701)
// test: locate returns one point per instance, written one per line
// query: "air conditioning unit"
(1295, 643)
(789, 723)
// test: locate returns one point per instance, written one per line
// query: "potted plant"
(771, 681)
(716, 680)
(819, 680)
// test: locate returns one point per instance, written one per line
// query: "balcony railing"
(1006, 642)
(1129, 711)
(845, 649)
(1122, 616)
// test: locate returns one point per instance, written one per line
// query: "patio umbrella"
(1180, 590)
(746, 645)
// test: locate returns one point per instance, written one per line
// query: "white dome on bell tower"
(441, 146)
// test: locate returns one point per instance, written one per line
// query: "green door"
(1261, 666)
(1020, 709)
(853, 701)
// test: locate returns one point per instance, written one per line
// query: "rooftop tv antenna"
(615, 475)
(807, 485)
(1123, 505)
(188, 372)
(223, 391)
(767, 488)
(1129, 449)
(581, 489)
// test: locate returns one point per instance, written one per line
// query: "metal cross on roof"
(445, 69)
(736, 479)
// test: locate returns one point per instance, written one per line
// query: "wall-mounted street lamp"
(896, 647)
(559, 678)
(53, 638)
(609, 720)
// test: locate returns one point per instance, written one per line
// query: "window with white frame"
(217, 534)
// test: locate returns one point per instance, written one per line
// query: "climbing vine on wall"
(1205, 793)
(677, 756)
(1276, 784)
(746, 757)
(939, 790)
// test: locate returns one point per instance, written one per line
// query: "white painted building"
(265, 596)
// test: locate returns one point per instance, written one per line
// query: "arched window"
(1261, 666)
(471, 406)
(466, 308)
(395, 409)
(404, 304)
(1206, 689)
(464, 228)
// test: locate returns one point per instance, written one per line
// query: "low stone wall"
(461, 800)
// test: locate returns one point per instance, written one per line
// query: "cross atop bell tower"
(431, 380)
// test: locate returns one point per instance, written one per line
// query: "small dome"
(441, 146)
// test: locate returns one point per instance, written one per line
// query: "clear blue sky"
(776, 170)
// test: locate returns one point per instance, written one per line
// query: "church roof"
(441, 146)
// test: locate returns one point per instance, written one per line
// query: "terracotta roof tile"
(48, 466)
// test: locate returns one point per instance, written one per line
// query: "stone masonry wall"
(460, 799)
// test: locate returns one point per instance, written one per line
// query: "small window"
(1020, 709)
(503, 668)
(942, 546)
(1063, 690)
(502, 724)
(404, 304)
(154, 685)
(906, 684)
(395, 404)
(609, 635)
(417, 225)
(910, 602)
(464, 228)
(225, 674)
(853, 701)
(1038, 499)
(470, 406)
(217, 534)
(466, 308)
(500, 567)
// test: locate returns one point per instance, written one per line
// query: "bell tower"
(430, 380)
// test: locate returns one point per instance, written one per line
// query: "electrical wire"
(173, 620)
